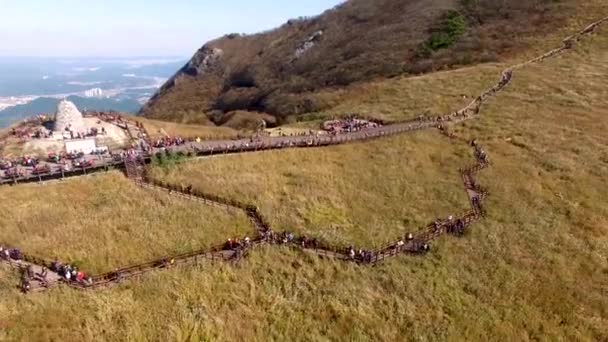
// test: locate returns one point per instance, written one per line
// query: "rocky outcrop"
(202, 60)
(308, 44)
(202, 63)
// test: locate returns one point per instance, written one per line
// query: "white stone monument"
(68, 118)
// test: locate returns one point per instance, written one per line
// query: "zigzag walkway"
(36, 274)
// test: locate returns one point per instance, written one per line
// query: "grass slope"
(347, 194)
(535, 269)
(158, 129)
(104, 222)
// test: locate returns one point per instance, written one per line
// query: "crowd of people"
(26, 133)
(455, 226)
(349, 124)
(237, 244)
(8, 254)
(90, 132)
(169, 142)
(109, 117)
(70, 273)
(129, 153)
(351, 253)
(27, 161)
(409, 242)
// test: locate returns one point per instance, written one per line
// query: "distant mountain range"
(47, 105)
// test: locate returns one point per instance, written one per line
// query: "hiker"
(437, 225)
(25, 283)
(410, 237)
(229, 244)
(351, 252)
(475, 201)
(360, 254)
(14, 254)
(30, 271)
(368, 256)
(459, 227)
(304, 241)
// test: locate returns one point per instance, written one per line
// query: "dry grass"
(104, 222)
(345, 194)
(535, 269)
(406, 98)
(156, 128)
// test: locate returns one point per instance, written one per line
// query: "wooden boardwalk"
(416, 243)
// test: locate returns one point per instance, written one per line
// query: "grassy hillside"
(281, 72)
(534, 269)
(345, 194)
(104, 222)
(158, 129)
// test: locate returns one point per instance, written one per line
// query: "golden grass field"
(156, 128)
(367, 194)
(535, 269)
(104, 222)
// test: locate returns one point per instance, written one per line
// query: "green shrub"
(166, 160)
(452, 27)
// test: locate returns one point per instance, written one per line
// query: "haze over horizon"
(71, 28)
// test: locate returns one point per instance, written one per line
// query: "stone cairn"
(68, 118)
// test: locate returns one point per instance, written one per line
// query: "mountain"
(281, 72)
(48, 105)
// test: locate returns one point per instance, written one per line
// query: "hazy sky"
(127, 28)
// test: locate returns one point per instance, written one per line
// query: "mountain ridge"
(280, 72)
